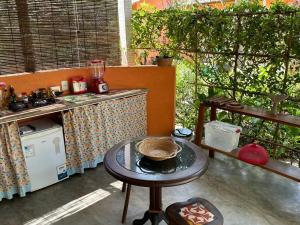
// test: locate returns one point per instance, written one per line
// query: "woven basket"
(158, 149)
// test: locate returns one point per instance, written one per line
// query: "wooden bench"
(275, 166)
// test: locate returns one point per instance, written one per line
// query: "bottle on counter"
(5, 98)
(12, 95)
(15, 103)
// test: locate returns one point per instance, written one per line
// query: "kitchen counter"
(63, 105)
(91, 125)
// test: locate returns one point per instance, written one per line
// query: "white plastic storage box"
(223, 136)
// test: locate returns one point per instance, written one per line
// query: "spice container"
(79, 85)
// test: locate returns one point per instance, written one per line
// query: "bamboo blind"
(58, 33)
(11, 57)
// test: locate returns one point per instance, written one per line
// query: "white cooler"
(223, 136)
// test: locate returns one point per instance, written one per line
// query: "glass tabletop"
(129, 158)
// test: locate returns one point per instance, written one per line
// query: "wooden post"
(213, 116)
(236, 53)
(213, 113)
(26, 38)
(200, 124)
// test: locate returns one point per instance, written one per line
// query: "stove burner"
(34, 103)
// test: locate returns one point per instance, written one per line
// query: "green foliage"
(246, 51)
(185, 94)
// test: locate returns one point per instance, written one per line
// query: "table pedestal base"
(154, 217)
(155, 213)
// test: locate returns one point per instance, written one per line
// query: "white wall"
(125, 8)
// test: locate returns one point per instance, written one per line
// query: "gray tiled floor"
(245, 195)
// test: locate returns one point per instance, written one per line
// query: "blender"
(99, 86)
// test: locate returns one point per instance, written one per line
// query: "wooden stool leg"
(123, 187)
(126, 203)
(211, 153)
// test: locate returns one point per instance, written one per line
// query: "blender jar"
(97, 69)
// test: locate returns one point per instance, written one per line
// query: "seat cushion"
(196, 214)
(195, 211)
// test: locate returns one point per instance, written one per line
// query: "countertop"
(62, 105)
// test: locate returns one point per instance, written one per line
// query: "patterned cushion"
(195, 211)
(196, 214)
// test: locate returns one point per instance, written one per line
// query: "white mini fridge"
(44, 151)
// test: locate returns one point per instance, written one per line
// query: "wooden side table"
(124, 163)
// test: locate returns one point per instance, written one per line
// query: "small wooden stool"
(195, 211)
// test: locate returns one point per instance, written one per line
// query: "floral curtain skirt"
(92, 130)
(13, 173)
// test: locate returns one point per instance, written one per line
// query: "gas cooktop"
(21, 105)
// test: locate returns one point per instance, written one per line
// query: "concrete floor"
(245, 195)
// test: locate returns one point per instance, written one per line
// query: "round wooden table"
(124, 163)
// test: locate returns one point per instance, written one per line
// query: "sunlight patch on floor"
(117, 184)
(70, 208)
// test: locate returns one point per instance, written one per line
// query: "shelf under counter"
(64, 105)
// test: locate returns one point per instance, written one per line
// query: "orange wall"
(159, 4)
(159, 80)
